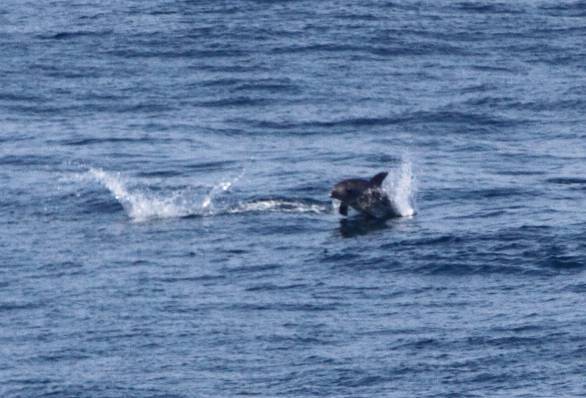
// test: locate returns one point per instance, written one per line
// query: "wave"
(75, 34)
(452, 118)
(567, 180)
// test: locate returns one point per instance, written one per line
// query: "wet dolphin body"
(365, 196)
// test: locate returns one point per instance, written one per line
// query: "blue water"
(166, 229)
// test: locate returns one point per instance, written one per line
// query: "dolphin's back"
(356, 183)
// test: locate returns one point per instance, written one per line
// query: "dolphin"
(365, 196)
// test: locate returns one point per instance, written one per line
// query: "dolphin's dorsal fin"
(378, 179)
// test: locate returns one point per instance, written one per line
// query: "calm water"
(166, 226)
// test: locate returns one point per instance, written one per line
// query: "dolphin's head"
(346, 191)
(338, 192)
(350, 190)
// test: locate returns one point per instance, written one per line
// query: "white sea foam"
(280, 205)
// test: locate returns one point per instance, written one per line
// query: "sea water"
(166, 229)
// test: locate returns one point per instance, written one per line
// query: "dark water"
(166, 227)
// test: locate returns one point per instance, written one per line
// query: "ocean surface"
(166, 229)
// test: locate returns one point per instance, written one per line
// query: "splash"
(142, 206)
(207, 205)
(401, 188)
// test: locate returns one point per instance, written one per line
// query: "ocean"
(166, 223)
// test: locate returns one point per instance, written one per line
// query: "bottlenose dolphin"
(365, 196)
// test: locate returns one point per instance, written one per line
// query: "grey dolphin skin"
(365, 196)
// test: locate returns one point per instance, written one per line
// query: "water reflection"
(357, 226)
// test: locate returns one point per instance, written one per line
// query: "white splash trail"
(280, 205)
(143, 206)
